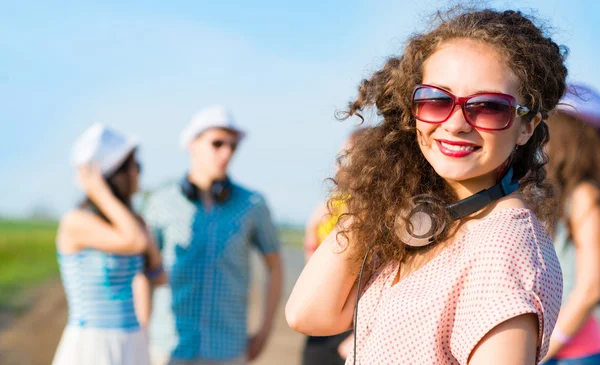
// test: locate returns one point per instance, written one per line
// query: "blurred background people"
(101, 246)
(321, 222)
(326, 350)
(574, 168)
(206, 225)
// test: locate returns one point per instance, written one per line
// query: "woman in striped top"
(102, 246)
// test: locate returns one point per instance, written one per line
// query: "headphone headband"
(483, 198)
(220, 190)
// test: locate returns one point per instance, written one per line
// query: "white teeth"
(457, 148)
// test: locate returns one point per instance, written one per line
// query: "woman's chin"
(451, 172)
(473, 179)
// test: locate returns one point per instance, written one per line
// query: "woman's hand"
(92, 181)
(154, 268)
(346, 347)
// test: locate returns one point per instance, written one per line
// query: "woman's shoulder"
(586, 189)
(507, 220)
(77, 217)
(584, 198)
(71, 224)
(513, 245)
(509, 232)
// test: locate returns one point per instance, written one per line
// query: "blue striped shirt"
(98, 288)
(202, 313)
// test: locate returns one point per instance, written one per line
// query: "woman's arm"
(513, 342)
(144, 283)
(154, 271)
(142, 299)
(323, 299)
(80, 229)
(585, 226)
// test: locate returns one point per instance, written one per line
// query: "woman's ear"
(527, 129)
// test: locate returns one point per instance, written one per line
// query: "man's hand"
(256, 344)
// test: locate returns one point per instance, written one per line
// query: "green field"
(28, 257)
(291, 236)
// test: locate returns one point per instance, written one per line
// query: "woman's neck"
(466, 188)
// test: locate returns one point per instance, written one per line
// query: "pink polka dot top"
(504, 266)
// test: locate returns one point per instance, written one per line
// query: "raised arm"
(79, 229)
(323, 299)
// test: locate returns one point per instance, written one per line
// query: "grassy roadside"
(28, 257)
(291, 236)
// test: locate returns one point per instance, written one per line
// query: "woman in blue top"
(101, 246)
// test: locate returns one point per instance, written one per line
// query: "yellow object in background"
(329, 221)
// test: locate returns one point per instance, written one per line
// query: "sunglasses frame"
(517, 110)
(232, 145)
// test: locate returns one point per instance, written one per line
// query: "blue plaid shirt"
(202, 313)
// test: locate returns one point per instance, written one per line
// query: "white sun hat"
(103, 147)
(216, 116)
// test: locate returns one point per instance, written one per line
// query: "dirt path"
(32, 338)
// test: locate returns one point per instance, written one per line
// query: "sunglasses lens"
(488, 111)
(218, 144)
(431, 105)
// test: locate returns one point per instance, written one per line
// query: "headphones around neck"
(458, 210)
(424, 229)
(220, 190)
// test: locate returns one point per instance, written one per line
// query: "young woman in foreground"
(462, 111)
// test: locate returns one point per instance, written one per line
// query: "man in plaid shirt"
(205, 226)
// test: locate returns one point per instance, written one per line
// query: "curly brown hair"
(574, 156)
(387, 167)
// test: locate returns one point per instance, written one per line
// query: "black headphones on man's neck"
(220, 190)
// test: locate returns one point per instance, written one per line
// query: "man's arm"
(272, 297)
(273, 292)
(266, 238)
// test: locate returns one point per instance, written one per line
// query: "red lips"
(456, 148)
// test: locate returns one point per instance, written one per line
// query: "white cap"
(102, 146)
(215, 116)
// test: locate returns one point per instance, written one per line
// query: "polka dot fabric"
(504, 266)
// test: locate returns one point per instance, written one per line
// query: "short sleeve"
(264, 234)
(152, 214)
(505, 274)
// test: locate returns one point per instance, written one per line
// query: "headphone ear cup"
(424, 218)
(189, 190)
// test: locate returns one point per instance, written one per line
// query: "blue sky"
(146, 67)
